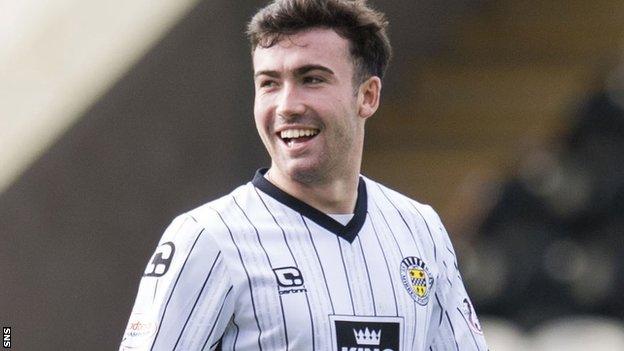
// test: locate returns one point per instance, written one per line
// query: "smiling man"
(309, 255)
(311, 117)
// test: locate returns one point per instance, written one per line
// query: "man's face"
(305, 107)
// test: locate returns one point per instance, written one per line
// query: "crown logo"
(367, 337)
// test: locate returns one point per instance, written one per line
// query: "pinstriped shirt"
(261, 270)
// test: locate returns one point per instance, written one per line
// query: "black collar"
(347, 232)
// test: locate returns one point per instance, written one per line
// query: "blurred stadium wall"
(116, 117)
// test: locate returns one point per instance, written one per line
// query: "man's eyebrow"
(274, 74)
(307, 68)
(298, 72)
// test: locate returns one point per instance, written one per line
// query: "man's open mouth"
(293, 136)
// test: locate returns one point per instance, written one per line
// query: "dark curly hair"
(363, 27)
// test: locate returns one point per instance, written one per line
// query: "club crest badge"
(417, 279)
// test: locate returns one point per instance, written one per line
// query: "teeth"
(296, 133)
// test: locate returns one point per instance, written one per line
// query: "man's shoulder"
(386, 197)
(207, 223)
(377, 190)
(214, 210)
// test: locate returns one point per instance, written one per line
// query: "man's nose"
(290, 103)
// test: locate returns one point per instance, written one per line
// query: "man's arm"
(185, 298)
(454, 323)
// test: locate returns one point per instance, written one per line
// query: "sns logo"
(159, 265)
(6, 337)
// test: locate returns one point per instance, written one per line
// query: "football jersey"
(261, 270)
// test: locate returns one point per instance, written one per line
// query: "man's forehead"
(311, 47)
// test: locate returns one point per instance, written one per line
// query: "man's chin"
(305, 172)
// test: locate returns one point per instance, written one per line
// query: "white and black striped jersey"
(261, 270)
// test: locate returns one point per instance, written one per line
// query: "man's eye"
(312, 80)
(267, 83)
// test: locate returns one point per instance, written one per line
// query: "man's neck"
(337, 196)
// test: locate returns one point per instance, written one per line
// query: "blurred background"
(506, 116)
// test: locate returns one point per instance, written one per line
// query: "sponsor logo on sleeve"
(141, 327)
(469, 314)
(366, 333)
(289, 280)
(161, 260)
(417, 279)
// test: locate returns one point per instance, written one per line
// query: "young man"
(309, 255)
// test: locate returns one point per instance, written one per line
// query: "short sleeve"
(185, 298)
(454, 323)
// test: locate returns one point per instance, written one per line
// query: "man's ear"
(368, 96)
